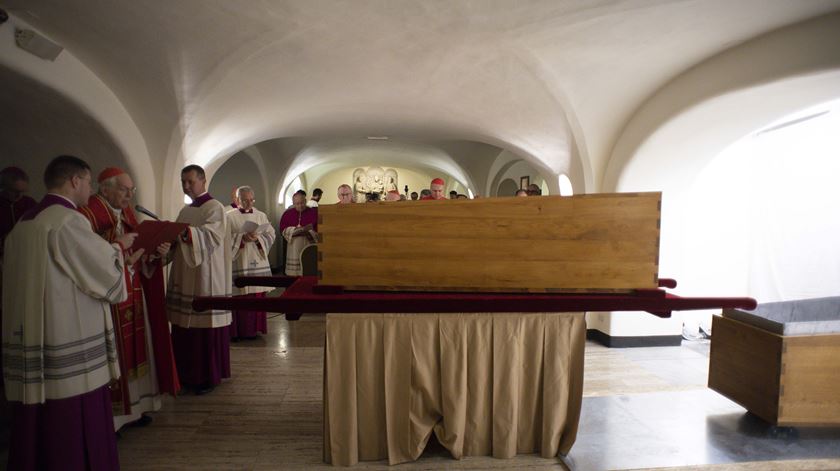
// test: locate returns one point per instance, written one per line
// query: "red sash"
(128, 318)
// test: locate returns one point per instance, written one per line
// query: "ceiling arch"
(748, 85)
(560, 82)
(493, 190)
(700, 136)
(39, 123)
(43, 96)
(552, 80)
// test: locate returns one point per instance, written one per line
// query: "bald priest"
(251, 239)
(144, 345)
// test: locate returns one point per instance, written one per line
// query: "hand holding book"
(302, 230)
(251, 226)
(151, 234)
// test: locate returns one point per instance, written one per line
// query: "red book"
(150, 234)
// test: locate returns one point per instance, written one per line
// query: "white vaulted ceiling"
(552, 80)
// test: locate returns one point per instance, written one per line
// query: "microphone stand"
(146, 212)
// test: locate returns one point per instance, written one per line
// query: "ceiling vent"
(34, 43)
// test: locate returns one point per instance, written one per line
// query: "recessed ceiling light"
(377, 138)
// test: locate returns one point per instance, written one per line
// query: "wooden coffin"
(586, 243)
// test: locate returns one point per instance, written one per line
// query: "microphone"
(146, 212)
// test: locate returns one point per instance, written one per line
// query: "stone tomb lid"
(797, 317)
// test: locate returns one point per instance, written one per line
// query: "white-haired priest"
(58, 339)
(251, 239)
(144, 345)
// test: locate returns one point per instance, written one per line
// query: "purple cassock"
(292, 218)
(61, 434)
(202, 355)
(10, 214)
(11, 210)
(247, 324)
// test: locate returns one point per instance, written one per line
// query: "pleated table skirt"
(495, 384)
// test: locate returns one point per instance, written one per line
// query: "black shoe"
(204, 389)
(143, 421)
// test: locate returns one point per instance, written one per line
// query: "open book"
(251, 226)
(306, 231)
(302, 230)
(150, 234)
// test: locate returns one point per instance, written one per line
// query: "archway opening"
(765, 209)
(565, 185)
(507, 187)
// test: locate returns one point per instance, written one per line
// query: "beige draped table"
(485, 383)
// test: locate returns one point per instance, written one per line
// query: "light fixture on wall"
(38, 45)
(377, 138)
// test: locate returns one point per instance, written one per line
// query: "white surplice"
(200, 268)
(294, 248)
(250, 258)
(59, 281)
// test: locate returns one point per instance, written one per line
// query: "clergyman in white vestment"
(58, 339)
(251, 239)
(201, 267)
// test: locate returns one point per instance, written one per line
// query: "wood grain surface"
(599, 242)
(745, 365)
(810, 382)
(790, 380)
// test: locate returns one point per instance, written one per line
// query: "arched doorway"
(507, 187)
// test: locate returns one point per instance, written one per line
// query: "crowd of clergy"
(94, 333)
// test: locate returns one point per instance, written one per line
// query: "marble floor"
(643, 408)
